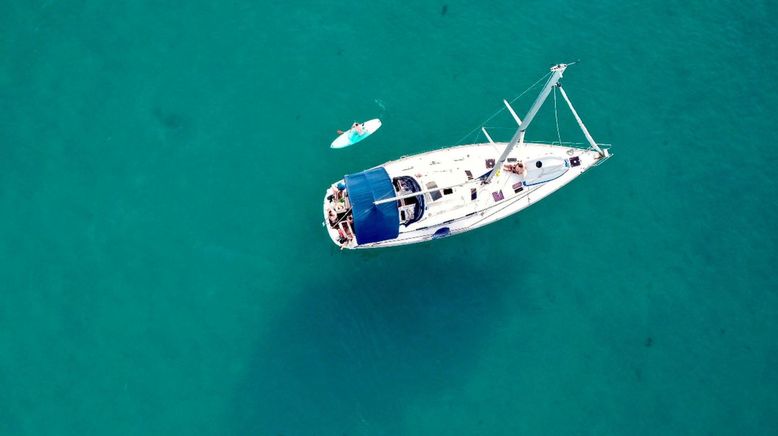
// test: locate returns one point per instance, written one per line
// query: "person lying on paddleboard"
(359, 128)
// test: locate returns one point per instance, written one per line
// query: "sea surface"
(164, 270)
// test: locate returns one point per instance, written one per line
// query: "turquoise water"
(163, 269)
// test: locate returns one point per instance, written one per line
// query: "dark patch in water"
(339, 52)
(444, 10)
(172, 121)
(649, 342)
(169, 120)
(638, 374)
(357, 347)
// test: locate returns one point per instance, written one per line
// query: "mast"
(518, 137)
(580, 123)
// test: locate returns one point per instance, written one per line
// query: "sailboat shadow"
(359, 347)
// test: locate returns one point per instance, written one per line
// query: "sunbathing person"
(345, 226)
(345, 234)
(518, 168)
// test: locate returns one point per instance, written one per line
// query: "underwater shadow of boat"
(355, 350)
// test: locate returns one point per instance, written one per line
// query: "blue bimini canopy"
(373, 223)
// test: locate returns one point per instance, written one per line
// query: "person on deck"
(339, 192)
(347, 229)
(518, 168)
(332, 217)
(346, 232)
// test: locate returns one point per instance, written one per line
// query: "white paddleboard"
(351, 136)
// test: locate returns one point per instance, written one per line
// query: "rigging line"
(556, 117)
(531, 86)
(503, 108)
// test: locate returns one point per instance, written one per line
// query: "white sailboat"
(456, 189)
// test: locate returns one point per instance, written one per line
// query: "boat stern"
(338, 219)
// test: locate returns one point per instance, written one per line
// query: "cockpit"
(411, 208)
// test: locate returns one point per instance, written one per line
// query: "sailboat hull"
(469, 204)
